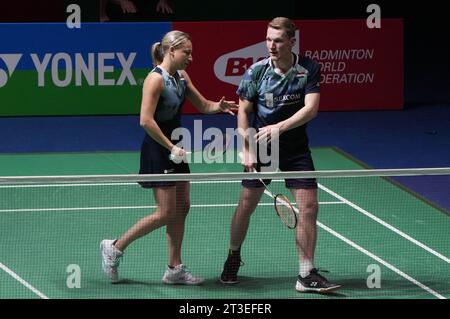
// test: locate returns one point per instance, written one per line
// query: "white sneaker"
(180, 275)
(110, 259)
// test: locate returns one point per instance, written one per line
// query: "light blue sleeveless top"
(172, 96)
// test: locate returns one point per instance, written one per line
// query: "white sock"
(305, 267)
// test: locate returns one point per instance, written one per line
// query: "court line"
(385, 224)
(22, 281)
(380, 260)
(103, 184)
(109, 184)
(115, 184)
(373, 256)
(22, 210)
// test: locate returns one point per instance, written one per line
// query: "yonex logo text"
(96, 64)
(79, 69)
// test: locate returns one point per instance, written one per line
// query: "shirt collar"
(293, 65)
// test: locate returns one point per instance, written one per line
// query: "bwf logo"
(231, 66)
(11, 61)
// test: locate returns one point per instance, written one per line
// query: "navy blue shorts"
(292, 162)
(155, 160)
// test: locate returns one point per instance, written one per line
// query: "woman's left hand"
(228, 106)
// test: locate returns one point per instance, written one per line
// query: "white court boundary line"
(105, 184)
(385, 224)
(381, 261)
(22, 281)
(24, 210)
(375, 257)
(115, 184)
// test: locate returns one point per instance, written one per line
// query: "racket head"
(217, 147)
(285, 211)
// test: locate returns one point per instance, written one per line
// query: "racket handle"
(266, 190)
(241, 156)
(173, 156)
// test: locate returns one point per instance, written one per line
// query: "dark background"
(426, 28)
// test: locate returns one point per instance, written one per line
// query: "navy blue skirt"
(155, 160)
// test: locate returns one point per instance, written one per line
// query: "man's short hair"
(282, 23)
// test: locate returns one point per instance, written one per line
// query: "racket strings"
(285, 211)
(283, 206)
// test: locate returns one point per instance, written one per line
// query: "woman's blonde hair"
(282, 23)
(174, 39)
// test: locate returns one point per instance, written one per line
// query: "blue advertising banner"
(49, 69)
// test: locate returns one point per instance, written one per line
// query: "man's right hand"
(248, 160)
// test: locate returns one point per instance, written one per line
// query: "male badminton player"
(283, 91)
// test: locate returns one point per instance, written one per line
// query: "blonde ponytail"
(157, 54)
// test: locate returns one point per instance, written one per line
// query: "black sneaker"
(231, 268)
(315, 282)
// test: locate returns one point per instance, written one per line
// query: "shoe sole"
(301, 288)
(228, 282)
(167, 282)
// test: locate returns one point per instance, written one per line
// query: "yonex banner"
(49, 69)
(361, 68)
